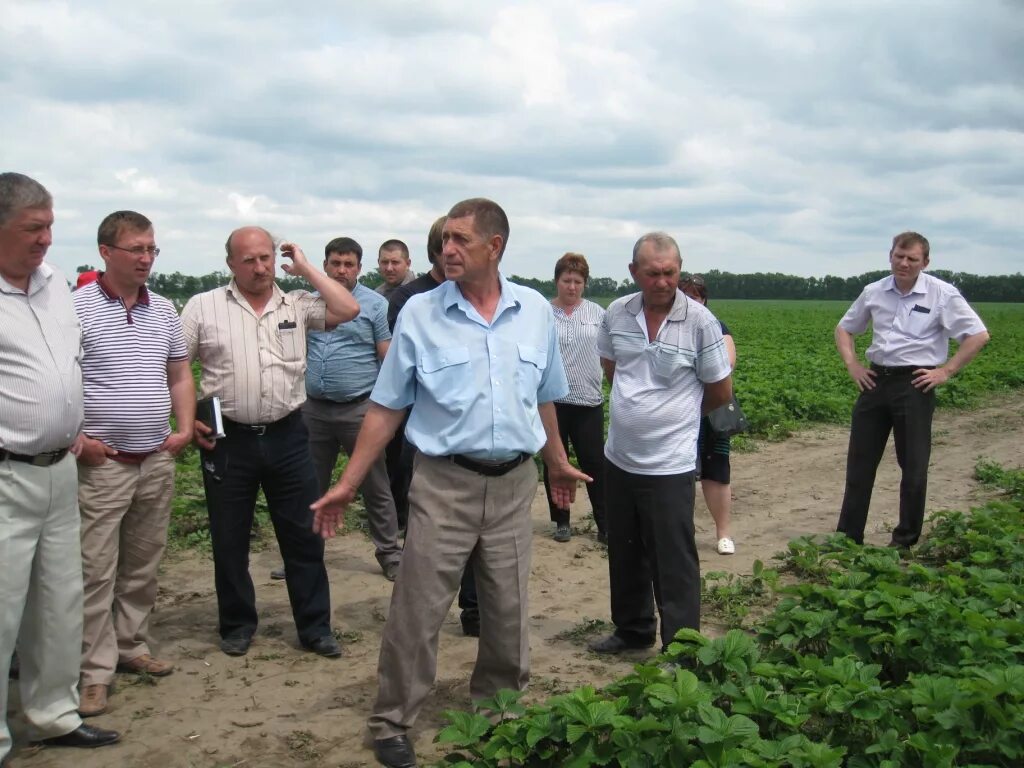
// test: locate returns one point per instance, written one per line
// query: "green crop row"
(878, 659)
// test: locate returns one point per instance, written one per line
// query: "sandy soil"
(280, 706)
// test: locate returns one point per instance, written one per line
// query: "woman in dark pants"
(712, 449)
(581, 412)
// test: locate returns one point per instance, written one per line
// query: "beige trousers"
(125, 512)
(456, 515)
(40, 594)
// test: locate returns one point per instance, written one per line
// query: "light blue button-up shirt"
(342, 363)
(473, 386)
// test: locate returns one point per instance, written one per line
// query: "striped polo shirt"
(577, 341)
(659, 384)
(124, 366)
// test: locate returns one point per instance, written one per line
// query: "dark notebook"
(208, 412)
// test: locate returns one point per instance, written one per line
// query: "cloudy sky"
(766, 135)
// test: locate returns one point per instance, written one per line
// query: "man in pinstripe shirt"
(666, 359)
(135, 369)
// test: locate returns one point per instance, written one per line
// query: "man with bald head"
(250, 339)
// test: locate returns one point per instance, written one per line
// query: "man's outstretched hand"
(329, 509)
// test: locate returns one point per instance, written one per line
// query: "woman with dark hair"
(713, 449)
(581, 412)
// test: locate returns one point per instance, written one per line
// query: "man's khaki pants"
(125, 513)
(40, 593)
(457, 515)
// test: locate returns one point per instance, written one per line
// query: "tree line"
(721, 285)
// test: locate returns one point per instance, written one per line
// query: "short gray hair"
(18, 191)
(662, 241)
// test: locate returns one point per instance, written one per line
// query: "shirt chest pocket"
(667, 364)
(920, 322)
(291, 340)
(445, 373)
(530, 370)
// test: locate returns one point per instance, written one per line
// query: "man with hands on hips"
(250, 339)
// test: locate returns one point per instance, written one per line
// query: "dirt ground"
(280, 706)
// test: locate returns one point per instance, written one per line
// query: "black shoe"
(471, 627)
(82, 736)
(615, 644)
(562, 533)
(395, 752)
(278, 574)
(325, 645)
(237, 645)
(390, 570)
(602, 538)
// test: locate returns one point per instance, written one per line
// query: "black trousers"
(583, 426)
(398, 457)
(279, 462)
(651, 543)
(894, 405)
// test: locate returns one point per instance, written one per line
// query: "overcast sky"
(769, 136)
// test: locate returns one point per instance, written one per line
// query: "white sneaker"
(726, 546)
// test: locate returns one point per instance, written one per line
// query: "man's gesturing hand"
(299, 265)
(563, 480)
(329, 510)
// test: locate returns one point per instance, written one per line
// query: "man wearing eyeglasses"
(135, 371)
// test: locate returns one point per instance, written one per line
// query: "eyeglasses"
(696, 280)
(139, 250)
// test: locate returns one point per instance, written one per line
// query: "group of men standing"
(453, 375)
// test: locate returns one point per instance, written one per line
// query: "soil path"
(279, 706)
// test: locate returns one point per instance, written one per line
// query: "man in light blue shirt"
(477, 359)
(341, 369)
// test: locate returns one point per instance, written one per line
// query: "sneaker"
(146, 665)
(93, 700)
(563, 533)
(726, 546)
(278, 574)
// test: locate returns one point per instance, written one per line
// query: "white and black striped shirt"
(577, 340)
(124, 366)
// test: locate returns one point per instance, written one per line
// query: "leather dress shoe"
(82, 736)
(92, 700)
(395, 752)
(471, 627)
(237, 645)
(325, 645)
(615, 644)
(390, 571)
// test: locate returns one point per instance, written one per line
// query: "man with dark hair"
(135, 369)
(666, 360)
(250, 340)
(913, 316)
(41, 389)
(393, 262)
(477, 360)
(341, 369)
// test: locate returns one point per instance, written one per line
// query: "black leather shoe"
(325, 645)
(390, 571)
(238, 645)
(471, 627)
(82, 736)
(395, 752)
(616, 644)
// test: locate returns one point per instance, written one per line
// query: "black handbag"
(728, 419)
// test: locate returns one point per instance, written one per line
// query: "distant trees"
(721, 285)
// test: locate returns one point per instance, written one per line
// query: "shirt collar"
(680, 307)
(919, 285)
(142, 298)
(277, 295)
(451, 295)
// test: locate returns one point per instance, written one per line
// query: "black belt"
(902, 370)
(260, 429)
(350, 401)
(39, 460)
(485, 468)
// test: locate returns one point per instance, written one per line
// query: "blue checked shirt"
(342, 363)
(474, 387)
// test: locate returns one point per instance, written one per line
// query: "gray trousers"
(332, 427)
(455, 516)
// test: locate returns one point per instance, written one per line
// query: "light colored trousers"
(125, 512)
(40, 594)
(457, 515)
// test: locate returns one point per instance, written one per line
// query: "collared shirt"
(124, 366)
(256, 364)
(342, 363)
(577, 340)
(473, 386)
(40, 373)
(402, 294)
(659, 384)
(386, 290)
(911, 329)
